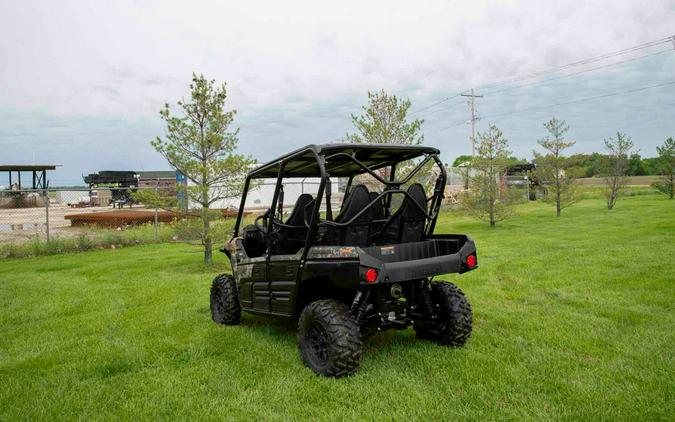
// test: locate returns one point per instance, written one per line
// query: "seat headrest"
(297, 217)
(356, 201)
(409, 210)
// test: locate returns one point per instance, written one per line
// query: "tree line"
(591, 165)
(491, 199)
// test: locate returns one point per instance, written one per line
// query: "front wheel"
(452, 320)
(225, 308)
(329, 338)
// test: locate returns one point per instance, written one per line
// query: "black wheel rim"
(317, 342)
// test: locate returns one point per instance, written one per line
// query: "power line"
(579, 72)
(638, 47)
(561, 77)
(581, 62)
(611, 94)
(434, 104)
(443, 109)
(462, 123)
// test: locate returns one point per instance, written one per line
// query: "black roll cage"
(392, 186)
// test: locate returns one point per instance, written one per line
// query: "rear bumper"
(346, 266)
(410, 270)
(413, 261)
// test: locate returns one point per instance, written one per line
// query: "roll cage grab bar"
(392, 187)
(358, 214)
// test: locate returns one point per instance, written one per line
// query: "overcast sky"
(81, 83)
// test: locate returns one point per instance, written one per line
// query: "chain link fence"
(48, 214)
(84, 214)
(23, 215)
(81, 214)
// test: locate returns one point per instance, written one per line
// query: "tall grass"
(94, 238)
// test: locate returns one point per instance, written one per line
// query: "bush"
(664, 188)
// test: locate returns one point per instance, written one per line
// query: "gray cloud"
(83, 82)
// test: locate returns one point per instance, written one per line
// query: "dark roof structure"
(39, 173)
(520, 168)
(159, 174)
(342, 160)
(27, 167)
(107, 177)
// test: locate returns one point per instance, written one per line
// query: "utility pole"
(473, 119)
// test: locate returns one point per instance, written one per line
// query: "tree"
(466, 159)
(489, 199)
(199, 145)
(155, 198)
(462, 159)
(586, 165)
(552, 165)
(636, 165)
(616, 166)
(513, 160)
(463, 163)
(667, 167)
(384, 121)
(651, 165)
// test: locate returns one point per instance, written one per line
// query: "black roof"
(28, 167)
(111, 176)
(519, 168)
(157, 174)
(303, 162)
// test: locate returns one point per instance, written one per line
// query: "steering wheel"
(271, 235)
(262, 217)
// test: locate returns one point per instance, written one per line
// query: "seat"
(291, 239)
(358, 232)
(407, 223)
(253, 241)
(297, 217)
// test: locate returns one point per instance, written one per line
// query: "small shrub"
(664, 188)
(83, 243)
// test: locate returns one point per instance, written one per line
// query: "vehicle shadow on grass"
(285, 331)
(266, 330)
(266, 324)
(278, 338)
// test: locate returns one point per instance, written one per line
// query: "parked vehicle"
(369, 268)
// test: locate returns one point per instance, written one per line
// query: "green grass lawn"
(574, 318)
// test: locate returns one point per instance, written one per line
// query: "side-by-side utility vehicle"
(368, 267)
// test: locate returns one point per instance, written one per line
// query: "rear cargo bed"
(415, 250)
(409, 261)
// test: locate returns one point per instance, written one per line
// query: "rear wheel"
(452, 321)
(329, 338)
(225, 307)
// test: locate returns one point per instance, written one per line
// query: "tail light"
(471, 261)
(371, 275)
